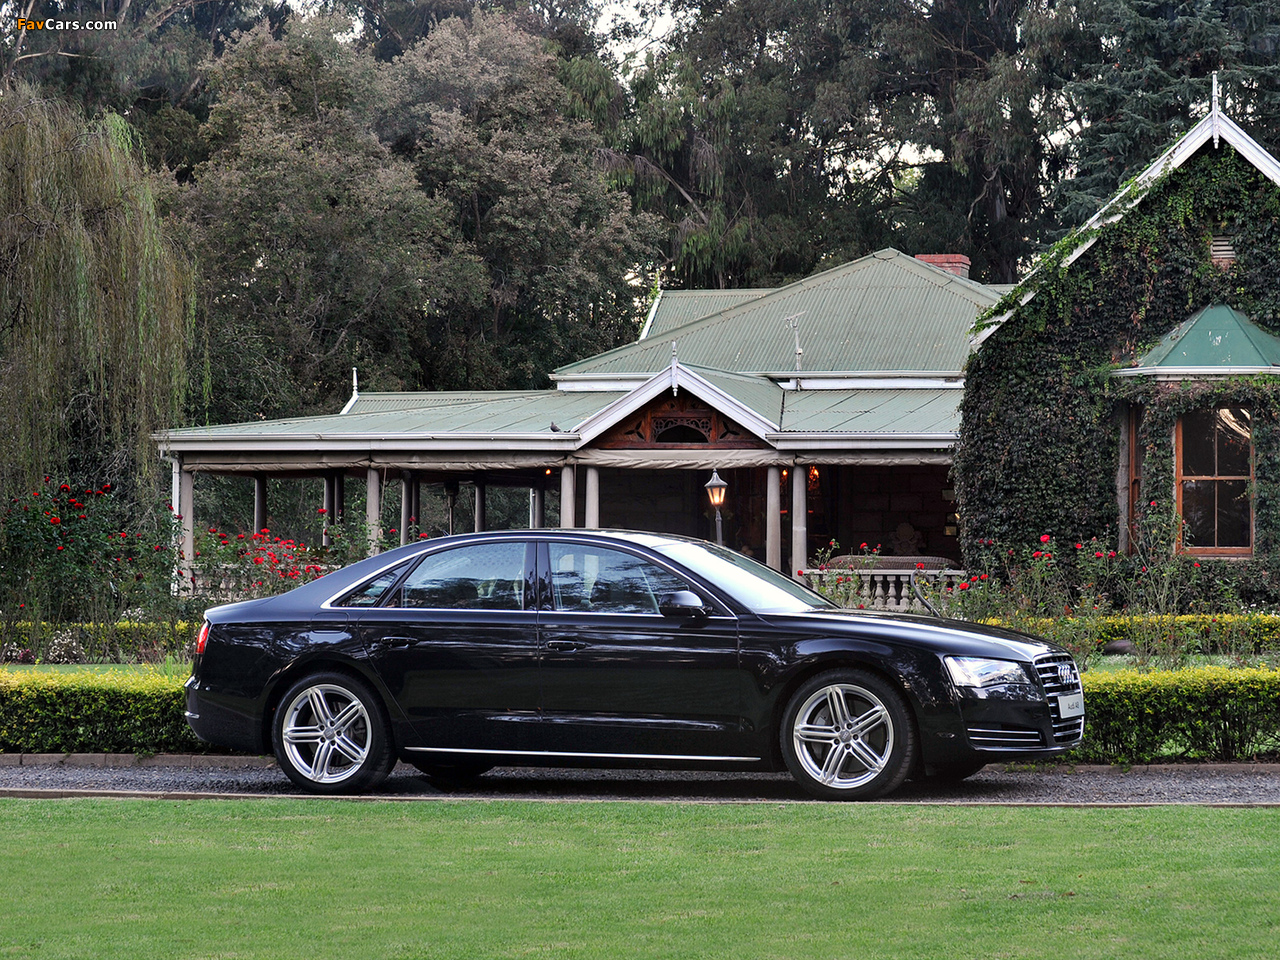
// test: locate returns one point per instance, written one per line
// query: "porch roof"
(522, 429)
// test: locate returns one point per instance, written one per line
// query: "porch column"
(329, 503)
(373, 509)
(799, 518)
(407, 483)
(183, 495)
(773, 520)
(480, 506)
(537, 508)
(592, 510)
(568, 495)
(259, 502)
(339, 496)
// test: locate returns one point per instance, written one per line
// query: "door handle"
(565, 645)
(399, 641)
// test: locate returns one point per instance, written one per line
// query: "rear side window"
(371, 592)
(487, 576)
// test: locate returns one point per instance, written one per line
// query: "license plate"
(1071, 706)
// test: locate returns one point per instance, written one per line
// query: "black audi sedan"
(614, 649)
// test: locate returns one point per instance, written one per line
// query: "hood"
(956, 637)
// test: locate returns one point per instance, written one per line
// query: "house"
(829, 406)
(1129, 388)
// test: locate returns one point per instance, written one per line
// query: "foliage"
(67, 554)
(319, 251)
(1207, 713)
(152, 642)
(93, 713)
(478, 108)
(1039, 442)
(95, 299)
(1144, 78)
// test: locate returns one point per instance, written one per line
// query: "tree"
(771, 134)
(1147, 80)
(319, 251)
(478, 109)
(95, 298)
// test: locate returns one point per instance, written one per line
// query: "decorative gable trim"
(674, 378)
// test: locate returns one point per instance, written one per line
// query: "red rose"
(1045, 538)
(55, 520)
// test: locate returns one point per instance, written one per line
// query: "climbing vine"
(1040, 441)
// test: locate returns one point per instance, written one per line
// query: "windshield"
(755, 586)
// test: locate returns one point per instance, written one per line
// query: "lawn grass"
(320, 879)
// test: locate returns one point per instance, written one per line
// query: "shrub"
(111, 712)
(1206, 713)
(119, 642)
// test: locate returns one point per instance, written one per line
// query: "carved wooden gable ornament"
(678, 422)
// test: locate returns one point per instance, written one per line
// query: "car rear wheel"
(848, 735)
(331, 735)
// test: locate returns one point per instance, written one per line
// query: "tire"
(848, 735)
(331, 735)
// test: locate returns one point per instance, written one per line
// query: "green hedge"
(1221, 633)
(1206, 713)
(77, 712)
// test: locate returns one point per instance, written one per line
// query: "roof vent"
(956, 263)
(1222, 251)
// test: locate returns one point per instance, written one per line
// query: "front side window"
(1214, 479)
(486, 576)
(597, 579)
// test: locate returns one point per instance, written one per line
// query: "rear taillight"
(203, 638)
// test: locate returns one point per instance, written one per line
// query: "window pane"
(373, 591)
(607, 581)
(1233, 442)
(1233, 513)
(1198, 513)
(485, 577)
(1198, 430)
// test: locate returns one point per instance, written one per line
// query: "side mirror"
(682, 603)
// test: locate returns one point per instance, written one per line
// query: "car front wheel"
(848, 735)
(331, 735)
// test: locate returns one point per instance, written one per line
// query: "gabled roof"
(1216, 126)
(675, 308)
(1215, 341)
(842, 313)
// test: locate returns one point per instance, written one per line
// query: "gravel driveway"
(110, 775)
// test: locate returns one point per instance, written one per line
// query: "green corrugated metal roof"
(1215, 337)
(884, 412)
(675, 308)
(757, 393)
(886, 312)
(472, 413)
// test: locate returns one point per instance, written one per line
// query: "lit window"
(1215, 475)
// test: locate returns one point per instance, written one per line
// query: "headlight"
(980, 672)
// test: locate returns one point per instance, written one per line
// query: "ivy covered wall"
(1040, 448)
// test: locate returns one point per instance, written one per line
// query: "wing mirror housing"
(682, 603)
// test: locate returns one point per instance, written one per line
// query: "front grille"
(1055, 685)
(1004, 737)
